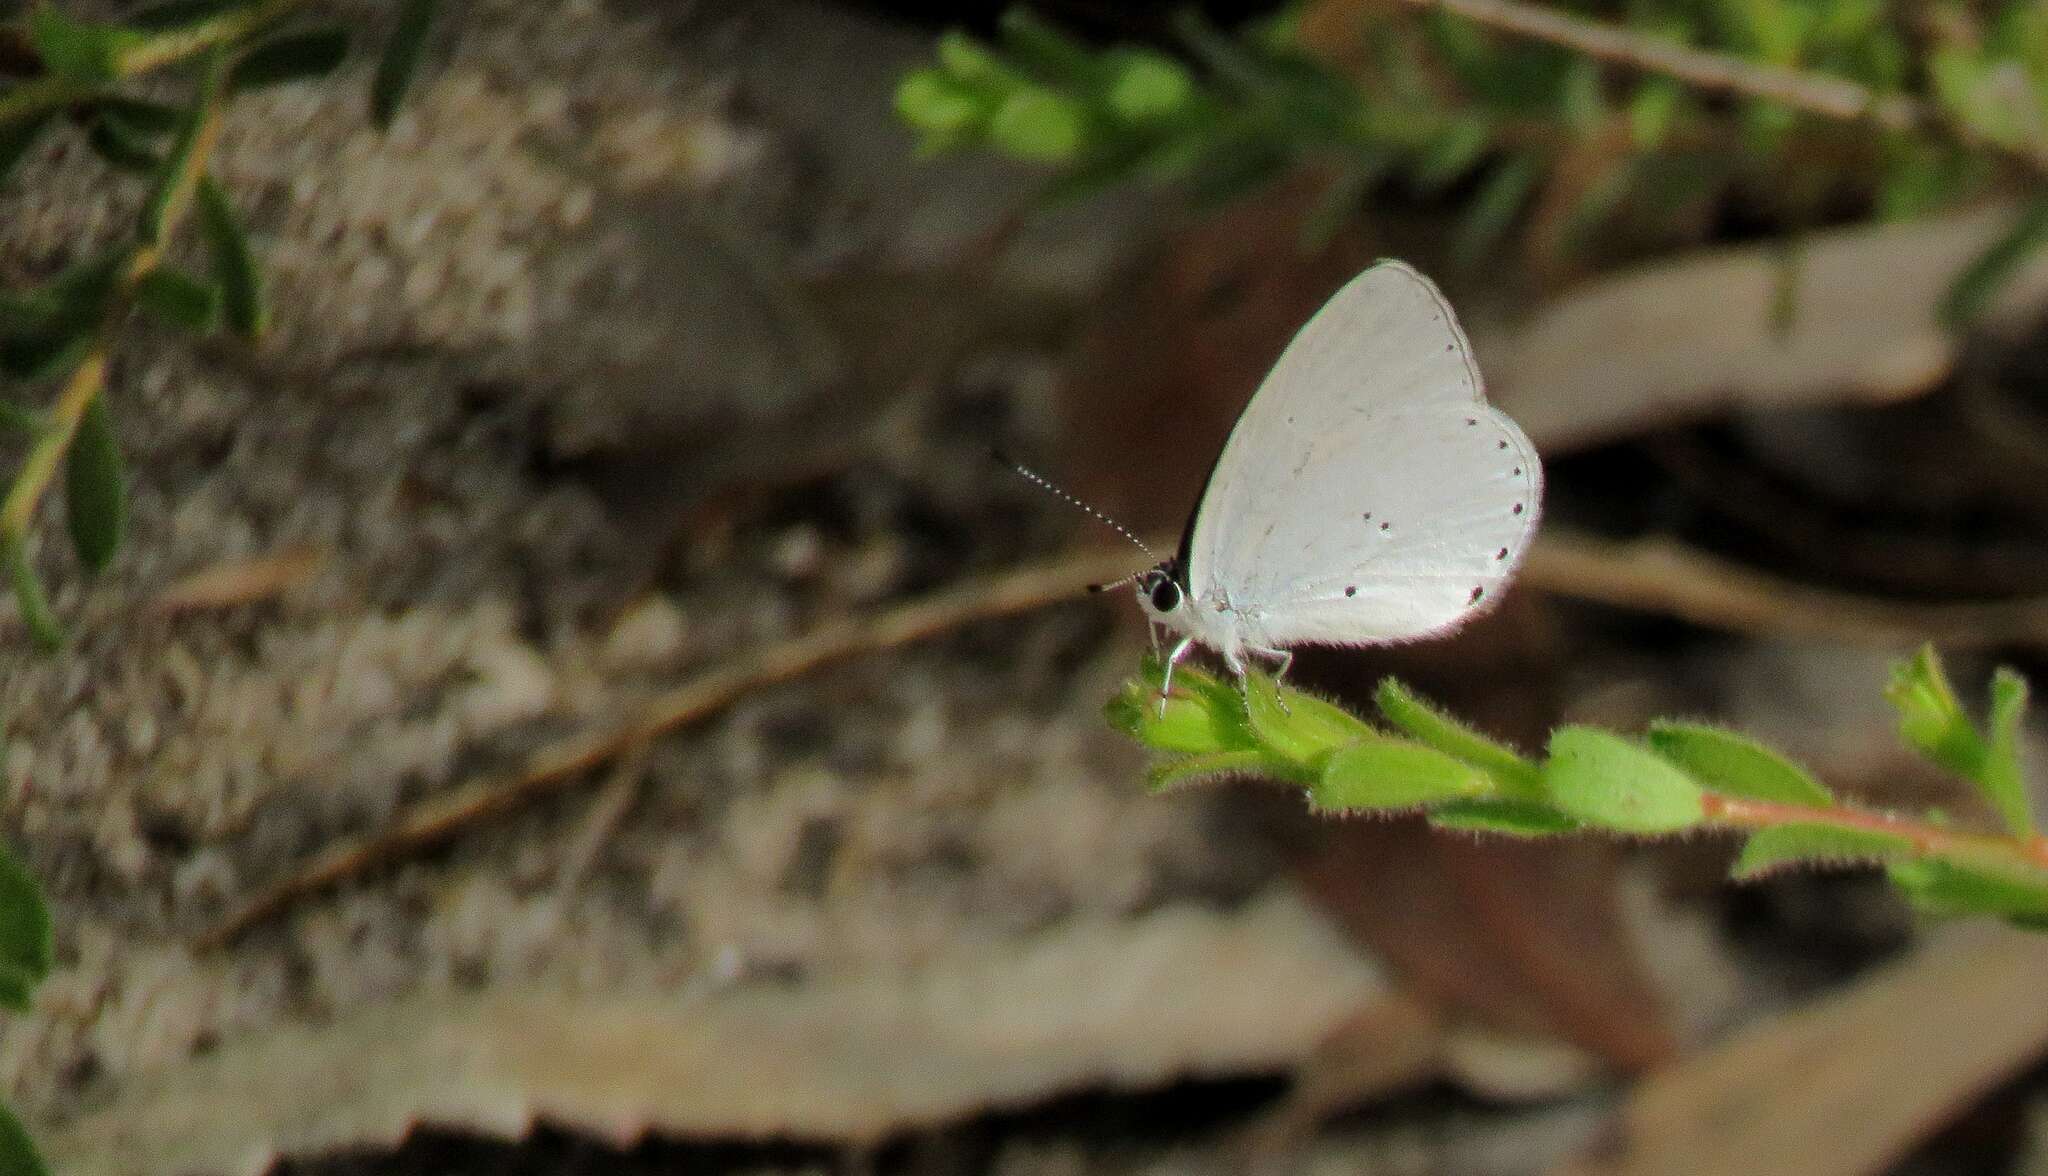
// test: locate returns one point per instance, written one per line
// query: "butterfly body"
(1367, 495)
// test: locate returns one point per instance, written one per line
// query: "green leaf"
(178, 14)
(1931, 720)
(1517, 777)
(1944, 888)
(1999, 777)
(18, 1155)
(932, 102)
(81, 50)
(1735, 765)
(50, 330)
(95, 487)
(1380, 773)
(1512, 818)
(1045, 50)
(1984, 277)
(118, 144)
(1177, 771)
(1201, 717)
(1500, 198)
(1784, 845)
(1039, 125)
(179, 300)
(1297, 727)
(1148, 88)
(290, 57)
(232, 260)
(140, 115)
(1652, 111)
(169, 184)
(401, 58)
(18, 139)
(25, 947)
(42, 624)
(1453, 153)
(1603, 779)
(968, 60)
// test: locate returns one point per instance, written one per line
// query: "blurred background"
(551, 681)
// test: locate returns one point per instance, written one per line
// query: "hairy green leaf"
(1381, 773)
(1176, 771)
(1987, 275)
(1517, 777)
(1735, 765)
(1603, 779)
(1512, 818)
(1944, 888)
(95, 487)
(25, 947)
(2000, 776)
(1784, 845)
(290, 57)
(1931, 720)
(178, 299)
(401, 58)
(232, 260)
(18, 1155)
(1298, 727)
(1201, 717)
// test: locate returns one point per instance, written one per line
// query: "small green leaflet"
(1515, 775)
(95, 490)
(401, 58)
(1784, 845)
(1722, 761)
(1604, 779)
(1382, 773)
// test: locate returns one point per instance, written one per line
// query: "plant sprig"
(1531, 118)
(1677, 778)
(66, 330)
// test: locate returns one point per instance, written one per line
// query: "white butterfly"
(1367, 495)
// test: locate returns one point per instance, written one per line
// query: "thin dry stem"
(566, 764)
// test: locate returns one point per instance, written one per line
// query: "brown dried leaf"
(1848, 1085)
(854, 1057)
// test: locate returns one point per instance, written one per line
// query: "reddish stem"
(1742, 813)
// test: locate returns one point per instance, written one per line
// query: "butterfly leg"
(1180, 650)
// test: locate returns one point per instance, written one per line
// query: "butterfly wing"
(1368, 492)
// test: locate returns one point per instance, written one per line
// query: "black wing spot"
(1368, 516)
(1518, 508)
(1384, 526)
(1518, 471)
(1501, 445)
(1501, 554)
(1477, 592)
(1471, 420)
(1350, 589)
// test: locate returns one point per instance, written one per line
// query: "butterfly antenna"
(1070, 500)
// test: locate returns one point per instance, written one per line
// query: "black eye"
(1166, 596)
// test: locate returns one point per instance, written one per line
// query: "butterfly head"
(1160, 592)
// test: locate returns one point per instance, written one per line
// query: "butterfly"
(1368, 493)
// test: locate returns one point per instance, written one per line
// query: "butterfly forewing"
(1368, 492)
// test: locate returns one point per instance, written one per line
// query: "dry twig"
(1813, 93)
(558, 767)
